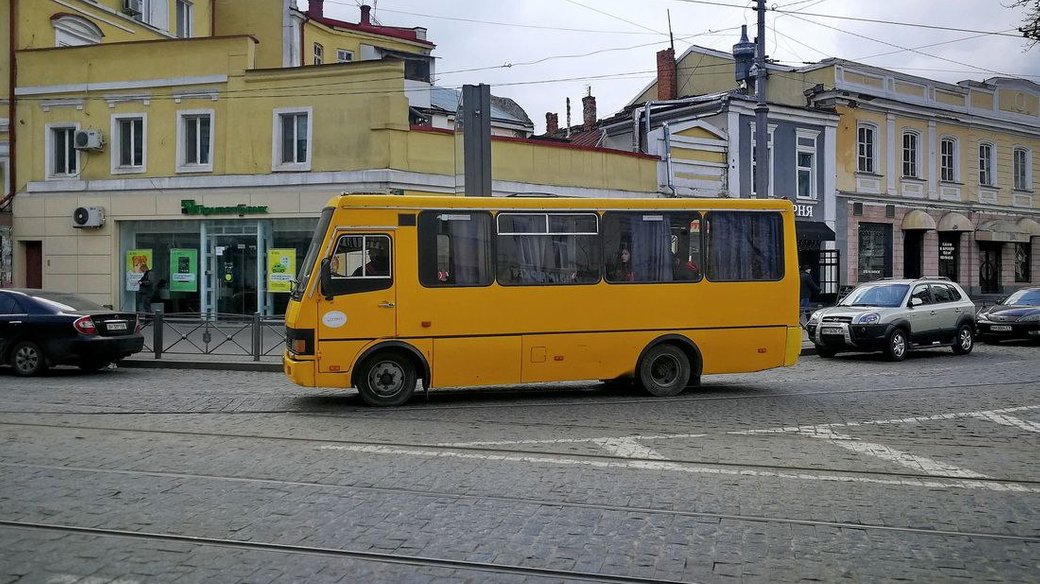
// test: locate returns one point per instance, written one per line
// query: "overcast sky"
(540, 52)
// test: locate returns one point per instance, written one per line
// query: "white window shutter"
(159, 14)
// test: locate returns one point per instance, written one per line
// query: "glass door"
(233, 265)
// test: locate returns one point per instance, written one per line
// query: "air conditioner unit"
(89, 217)
(132, 7)
(88, 140)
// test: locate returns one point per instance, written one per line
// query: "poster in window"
(184, 269)
(138, 261)
(281, 269)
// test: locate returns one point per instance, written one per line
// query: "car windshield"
(876, 295)
(1024, 298)
(66, 302)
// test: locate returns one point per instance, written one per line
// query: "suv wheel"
(895, 350)
(965, 340)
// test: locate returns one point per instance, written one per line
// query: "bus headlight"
(868, 318)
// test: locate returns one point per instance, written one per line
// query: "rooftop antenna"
(671, 37)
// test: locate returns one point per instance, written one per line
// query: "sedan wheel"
(27, 359)
(965, 340)
(896, 348)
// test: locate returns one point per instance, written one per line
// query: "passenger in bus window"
(685, 270)
(622, 271)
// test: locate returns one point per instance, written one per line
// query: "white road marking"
(71, 579)
(914, 420)
(627, 448)
(567, 440)
(654, 465)
(1009, 421)
(912, 461)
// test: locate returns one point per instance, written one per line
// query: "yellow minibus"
(478, 291)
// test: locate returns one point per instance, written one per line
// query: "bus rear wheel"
(664, 371)
(386, 379)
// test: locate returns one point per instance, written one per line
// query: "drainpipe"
(11, 122)
(668, 158)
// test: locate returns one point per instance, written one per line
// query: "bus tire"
(386, 379)
(664, 371)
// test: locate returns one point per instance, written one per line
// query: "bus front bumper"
(300, 371)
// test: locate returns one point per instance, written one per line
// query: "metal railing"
(193, 333)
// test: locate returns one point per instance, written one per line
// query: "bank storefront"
(212, 260)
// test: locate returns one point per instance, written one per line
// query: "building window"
(344, 56)
(875, 251)
(986, 165)
(129, 152)
(1023, 257)
(911, 154)
(62, 156)
(806, 167)
(319, 54)
(183, 19)
(948, 160)
(195, 141)
(73, 31)
(292, 144)
(1023, 170)
(866, 145)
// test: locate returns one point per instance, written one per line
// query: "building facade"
(209, 170)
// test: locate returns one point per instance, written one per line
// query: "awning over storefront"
(1029, 226)
(1001, 231)
(813, 230)
(918, 220)
(954, 222)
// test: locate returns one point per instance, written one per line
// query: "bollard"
(257, 336)
(157, 333)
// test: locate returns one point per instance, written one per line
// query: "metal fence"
(212, 334)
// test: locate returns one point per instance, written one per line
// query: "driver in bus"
(378, 263)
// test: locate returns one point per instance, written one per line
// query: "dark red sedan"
(39, 329)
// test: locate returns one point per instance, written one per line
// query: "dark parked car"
(39, 329)
(1015, 317)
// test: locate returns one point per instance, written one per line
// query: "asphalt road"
(849, 469)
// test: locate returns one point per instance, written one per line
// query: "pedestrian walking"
(807, 290)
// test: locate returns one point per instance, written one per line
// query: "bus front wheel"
(386, 379)
(664, 371)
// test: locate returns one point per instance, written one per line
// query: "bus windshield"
(307, 267)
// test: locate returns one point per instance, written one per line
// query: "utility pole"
(761, 109)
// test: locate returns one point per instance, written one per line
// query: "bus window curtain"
(470, 247)
(531, 249)
(745, 246)
(651, 249)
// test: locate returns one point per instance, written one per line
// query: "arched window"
(911, 154)
(74, 31)
(1023, 169)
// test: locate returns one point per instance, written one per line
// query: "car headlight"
(1034, 317)
(816, 316)
(982, 315)
(868, 318)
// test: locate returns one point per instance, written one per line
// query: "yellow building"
(187, 137)
(931, 178)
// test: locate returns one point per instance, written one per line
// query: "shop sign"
(281, 269)
(804, 210)
(138, 261)
(947, 251)
(190, 207)
(184, 269)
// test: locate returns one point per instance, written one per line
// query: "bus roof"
(420, 202)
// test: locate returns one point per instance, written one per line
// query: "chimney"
(552, 123)
(366, 14)
(588, 106)
(744, 57)
(667, 87)
(316, 8)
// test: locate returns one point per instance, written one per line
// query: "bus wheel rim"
(664, 370)
(386, 378)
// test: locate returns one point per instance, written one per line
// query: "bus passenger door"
(357, 302)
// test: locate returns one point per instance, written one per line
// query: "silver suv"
(894, 316)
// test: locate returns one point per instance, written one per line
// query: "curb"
(198, 365)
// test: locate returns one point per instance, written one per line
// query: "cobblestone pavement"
(849, 469)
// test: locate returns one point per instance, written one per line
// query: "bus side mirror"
(325, 278)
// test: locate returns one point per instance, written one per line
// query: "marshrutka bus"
(478, 291)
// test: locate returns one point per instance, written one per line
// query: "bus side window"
(455, 248)
(359, 263)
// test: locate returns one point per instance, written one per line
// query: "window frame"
(182, 28)
(689, 216)
(341, 285)
(754, 160)
(117, 144)
(319, 54)
(987, 165)
(911, 156)
(549, 233)
(949, 173)
(811, 169)
(708, 243)
(1023, 171)
(867, 162)
(423, 259)
(341, 52)
(276, 143)
(183, 166)
(50, 143)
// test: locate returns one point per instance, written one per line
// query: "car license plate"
(831, 330)
(116, 326)
(1000, 328)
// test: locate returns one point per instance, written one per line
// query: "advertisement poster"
(184, 269)
(281, 269)
(138, 261)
